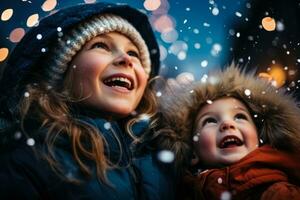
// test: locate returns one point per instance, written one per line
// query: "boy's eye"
(209, 120)
(133, 53)
(100, 45)
(241, 116)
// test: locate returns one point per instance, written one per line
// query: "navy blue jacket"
(24, 175)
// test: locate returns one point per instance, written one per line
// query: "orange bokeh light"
(6, 14)
(152, 4)
(268, 23)
(16, 35)
(277, 74)
(3, 54)
(49, 5)
(32, 20)
(163, 24)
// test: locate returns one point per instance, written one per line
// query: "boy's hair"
(275, 113)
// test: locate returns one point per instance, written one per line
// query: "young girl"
(245, 137)
(75, 105)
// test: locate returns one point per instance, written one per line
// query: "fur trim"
(275, 113)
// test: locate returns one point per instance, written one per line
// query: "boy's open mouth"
(230, 141)
(119, 80)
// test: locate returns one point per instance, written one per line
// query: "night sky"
(195, 36)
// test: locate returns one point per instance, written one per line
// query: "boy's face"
(225, 132)
(108, 74)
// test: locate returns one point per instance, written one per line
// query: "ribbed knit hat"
(71, 43)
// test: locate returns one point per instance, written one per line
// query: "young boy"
(244, 134)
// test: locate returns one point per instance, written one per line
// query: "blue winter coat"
(24, 175)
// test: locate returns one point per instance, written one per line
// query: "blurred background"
(194, 36)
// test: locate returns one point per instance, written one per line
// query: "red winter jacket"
(264, 174)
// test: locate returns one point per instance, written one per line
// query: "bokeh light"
(7, 14)
(268, 23)
(152, 4)
(164, 23)
(3, 54)
(49, 5)
(32, 20)
(169, 36)
(16, 35)
(278, 75)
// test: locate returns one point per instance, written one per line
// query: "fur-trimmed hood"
(275, 113)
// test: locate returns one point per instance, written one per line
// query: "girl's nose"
(227, 125)
(123, 60)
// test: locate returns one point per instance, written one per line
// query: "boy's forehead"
(222, 104)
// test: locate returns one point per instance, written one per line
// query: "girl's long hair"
(51, 109)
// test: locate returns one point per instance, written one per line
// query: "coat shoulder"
(282, 191)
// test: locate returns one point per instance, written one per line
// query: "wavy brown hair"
(51, 109)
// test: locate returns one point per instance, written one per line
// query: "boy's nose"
(123, 60)
(227, 125)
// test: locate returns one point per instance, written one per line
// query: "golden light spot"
(163, 24)
(3, 54)
(278, 75)
(49, 5)
(16, 35)
(32, 20)
(152, 4)
(6, 14)
(268, 23)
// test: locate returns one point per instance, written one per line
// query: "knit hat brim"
(71, 43)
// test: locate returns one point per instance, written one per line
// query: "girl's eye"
(100, 45)
(133, 53)
(209, 120)
(241, 116)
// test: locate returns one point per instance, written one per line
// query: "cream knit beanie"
(71, 43)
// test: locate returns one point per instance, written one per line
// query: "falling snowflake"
(166, 156)
(30, 142)
(220, 180)
(39, 36)
(204, 63)
(158, 94)
(215, 11)
(206, 24)
(107, 125)
(195, 138)
(26, 94)
(238, 14)
(17, 135)
(247, 92)
(225, 195)
(209, 101)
